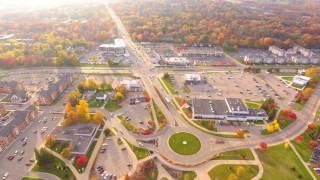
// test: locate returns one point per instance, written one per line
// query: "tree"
(313, 144)
(49, 141)
(263, 146)
(121, 89)
(83, 111)
(286, 145)
(66, 152)
(240, 171)
(146, 96)
(98, 117)
(300, 139)
(43, 157)
(73, 98)
(240, 133)
(312, 126)
(68, 108)
(82, 160)
(119, 96)
(309, 72)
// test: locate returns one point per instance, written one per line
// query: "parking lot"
(247, 86)
(115, 160)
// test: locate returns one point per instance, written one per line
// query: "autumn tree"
(263, 146)
(240, 133)
(49, 141)
(313, 144)
(68, 108)
(66, 152)
(119, 96)
(83, 111)
(98, 117)
(73, 98)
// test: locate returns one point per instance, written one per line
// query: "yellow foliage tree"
(119, 96)
(240, 171)
(98, 117)
(309, 72)
(66, 152)
(83, 111)
(286, 145)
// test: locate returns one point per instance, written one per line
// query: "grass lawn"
(287, 78)
(284, 123)
(229, 171)
(314, 173)
(112, 105)
(281, 163)
(98, 134)
(128, 125)
(140, 153)
(58, 146)
(298, 106)
(31, 178)
(57, 167)
(303, 148)
(210, 125)
(184, 143)
(239, 154)
(95, 104)
(168, 83)
(253, 105)
(188, 175)
(162, 120)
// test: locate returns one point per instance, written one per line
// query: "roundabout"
(184, 143)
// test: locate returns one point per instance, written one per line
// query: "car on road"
(20, 158)
(5, 175)
(10, 158)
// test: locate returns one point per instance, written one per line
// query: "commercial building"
(230, 109)
(79, 136)
(193, 79)
(118, 48)
(177, 61)
(132, 85)
(277, 51)
(300, 81)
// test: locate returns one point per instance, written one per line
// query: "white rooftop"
(192, 77)
(118, 43)
(300, 80)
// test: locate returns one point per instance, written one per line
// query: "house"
(100, 96)
(10, 87)
(78, 135)
(50, 94)
(178, 61)
(2, 110)
(118, 48)
(133, 85)
(19, 97)
(193, 79)
(229, 109)
(300, 81)
(277, 51)
(13, 127)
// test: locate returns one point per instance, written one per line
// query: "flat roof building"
(230, 109)
(300, 81)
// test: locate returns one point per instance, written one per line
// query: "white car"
(5, 175)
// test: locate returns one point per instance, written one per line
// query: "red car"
(10, 158)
